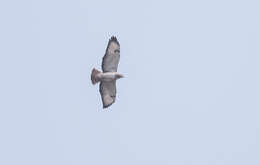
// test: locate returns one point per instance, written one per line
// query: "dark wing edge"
(108, 93)
(112, 39)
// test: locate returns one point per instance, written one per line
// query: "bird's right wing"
(108, 93)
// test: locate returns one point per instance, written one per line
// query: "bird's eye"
(117, 51)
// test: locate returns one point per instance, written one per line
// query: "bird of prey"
(108, 77)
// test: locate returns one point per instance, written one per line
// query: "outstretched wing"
(112, 56)
(108, 92)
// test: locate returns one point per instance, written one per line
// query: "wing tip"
(109, 104)
(114, 39)
(106, 106)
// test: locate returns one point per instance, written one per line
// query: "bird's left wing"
(108, 93)
(112, 56)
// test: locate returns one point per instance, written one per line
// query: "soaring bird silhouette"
(108, 77)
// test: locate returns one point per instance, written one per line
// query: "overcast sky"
(190, 95)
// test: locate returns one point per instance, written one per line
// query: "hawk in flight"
(108, 77)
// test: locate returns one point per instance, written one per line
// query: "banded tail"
(94, 76)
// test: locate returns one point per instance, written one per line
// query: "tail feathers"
(94, 76)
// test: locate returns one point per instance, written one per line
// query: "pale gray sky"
(190, 95)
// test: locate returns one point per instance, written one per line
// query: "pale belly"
(108, 76)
